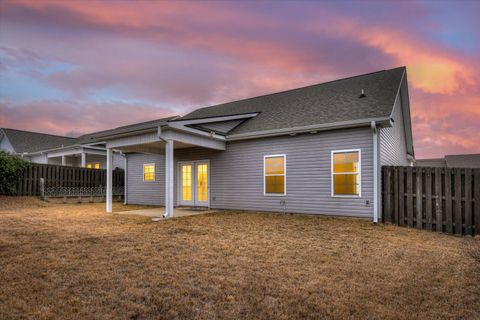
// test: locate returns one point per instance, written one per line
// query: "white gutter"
(384, 121)
(375, 172)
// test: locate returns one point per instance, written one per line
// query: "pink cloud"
(190, 54)
(59, 117)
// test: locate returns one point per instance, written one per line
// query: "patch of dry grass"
(76, 262)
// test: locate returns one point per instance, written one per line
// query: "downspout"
(375, 171)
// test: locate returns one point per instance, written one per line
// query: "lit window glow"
(274, 175)
(346, 173)
(202, 182)
(149, 172)
(187, 182)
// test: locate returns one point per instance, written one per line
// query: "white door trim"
(180, 200)
(194, 201)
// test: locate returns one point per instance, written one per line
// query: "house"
(315, 150)
(451, 161)
(83, 151)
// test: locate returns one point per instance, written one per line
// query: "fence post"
(42, 189)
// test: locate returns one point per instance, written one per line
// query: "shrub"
(11, 167)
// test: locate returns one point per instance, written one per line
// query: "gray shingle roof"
(26, 141)
(132, 127)
(452, 161)
(329, 102)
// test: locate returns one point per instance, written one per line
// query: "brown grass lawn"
(74, 261)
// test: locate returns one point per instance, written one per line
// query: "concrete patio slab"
(158, 212)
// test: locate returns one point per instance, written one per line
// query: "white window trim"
(284, 174)
(333, 195)
(143, 172)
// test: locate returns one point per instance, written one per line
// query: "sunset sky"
(72, 67)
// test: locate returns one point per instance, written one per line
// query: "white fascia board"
(133, 139)
(214, 119)
(67, 152)
(384, 121)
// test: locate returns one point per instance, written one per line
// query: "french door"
(194, 183)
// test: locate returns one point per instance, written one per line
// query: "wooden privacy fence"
(438, 199)
(64, 177)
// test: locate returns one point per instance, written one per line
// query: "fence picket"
(428, 198)
(438, 200)
(458, 201)
(468, 201)
(409, 197)
(419, 198)
(476, 210)
(401, 196)
(448, 200)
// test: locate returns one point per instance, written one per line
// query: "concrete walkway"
(158, 212)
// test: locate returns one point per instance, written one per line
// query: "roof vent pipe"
(362, 95)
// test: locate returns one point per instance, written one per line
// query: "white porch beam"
(196, 140)
(169, 178)
(109, 180)
(84, 160)
(133, 140)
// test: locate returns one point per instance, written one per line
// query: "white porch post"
(84, 159)
(64, 160)
(108, 199)
(169, 178)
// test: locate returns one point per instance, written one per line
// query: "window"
(149, 172)
(96, 165)
(274, 175)
(346, 173)
(89, 165)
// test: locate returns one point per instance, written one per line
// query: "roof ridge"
(294, 89)
(46, 134)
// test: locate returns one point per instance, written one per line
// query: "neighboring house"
(84, 151)
(316, 150)
(451, 161)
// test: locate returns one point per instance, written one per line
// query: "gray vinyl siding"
(236, 175)
(145, 192)
(41, 158)
(118, 161)
(393, 148)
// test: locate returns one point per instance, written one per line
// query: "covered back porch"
(193, 179)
